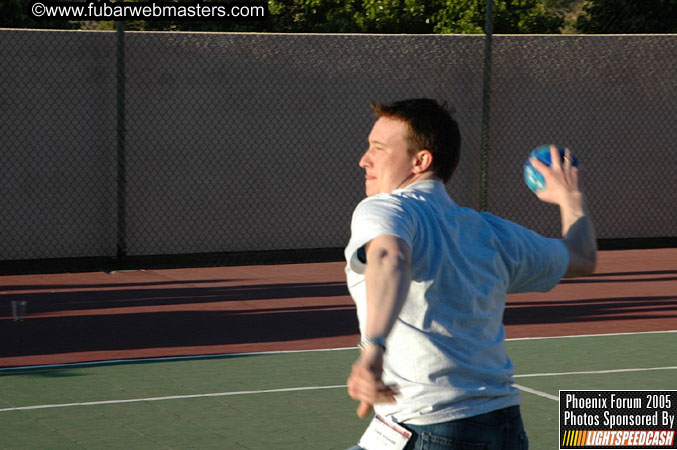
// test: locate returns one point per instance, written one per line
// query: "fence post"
(486, 101)
(121, 168)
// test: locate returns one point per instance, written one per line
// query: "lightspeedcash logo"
(618, 438)
(617, 419)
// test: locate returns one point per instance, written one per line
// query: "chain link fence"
(244, 147)
(613, 101)
(57, 144)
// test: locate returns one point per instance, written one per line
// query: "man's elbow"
(582, 264)
(589, 264)
(389, 253)
(393, 260)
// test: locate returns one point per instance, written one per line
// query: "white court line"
(534, 391)
(594, 372)
(589, 335)
(587, 372)
(278, 352)
(312, 388)
(172, 397)
(111, 362)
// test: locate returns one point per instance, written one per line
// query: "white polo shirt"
(446, 351)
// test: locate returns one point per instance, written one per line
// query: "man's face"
(386, 162)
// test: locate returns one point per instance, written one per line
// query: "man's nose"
(364, 161)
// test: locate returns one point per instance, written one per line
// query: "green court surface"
(280, 401)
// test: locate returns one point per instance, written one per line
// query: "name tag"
(382, 434)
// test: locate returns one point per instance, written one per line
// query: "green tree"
(397, 16)
(411, 16)
(510, 16)
(341, 16)
(16, 14)
(313, 16)
(629, 16)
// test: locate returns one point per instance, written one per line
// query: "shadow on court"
(591, 310)
(172, 329)
(163, 329)
(224, 314)
(595, 278)
(68, 298)
(65, 322)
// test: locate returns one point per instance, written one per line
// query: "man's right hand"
(365, 384)
(561, 188)
(561, 179)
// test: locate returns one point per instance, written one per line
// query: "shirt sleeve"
(542, 269)
(535, 263)
(375, 216)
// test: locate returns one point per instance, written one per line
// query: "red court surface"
(78, 317)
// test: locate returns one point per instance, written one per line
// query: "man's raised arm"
(578, 233)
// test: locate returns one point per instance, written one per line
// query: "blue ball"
(533, 177)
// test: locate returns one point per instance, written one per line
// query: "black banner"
(617, 419)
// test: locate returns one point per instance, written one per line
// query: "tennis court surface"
(257, 357)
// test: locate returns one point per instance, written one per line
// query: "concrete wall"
(242, 142)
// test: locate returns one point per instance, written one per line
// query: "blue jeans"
(497, 430)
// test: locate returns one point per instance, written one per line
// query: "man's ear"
(423, 162)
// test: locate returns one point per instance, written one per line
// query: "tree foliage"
(15, 14)
(407, 16)
(629, 16)
(343, 16)
(411, 16)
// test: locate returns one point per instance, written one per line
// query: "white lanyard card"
(382, 434)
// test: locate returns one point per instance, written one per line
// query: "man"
(430, 278)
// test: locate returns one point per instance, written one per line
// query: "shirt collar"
(428, 186)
